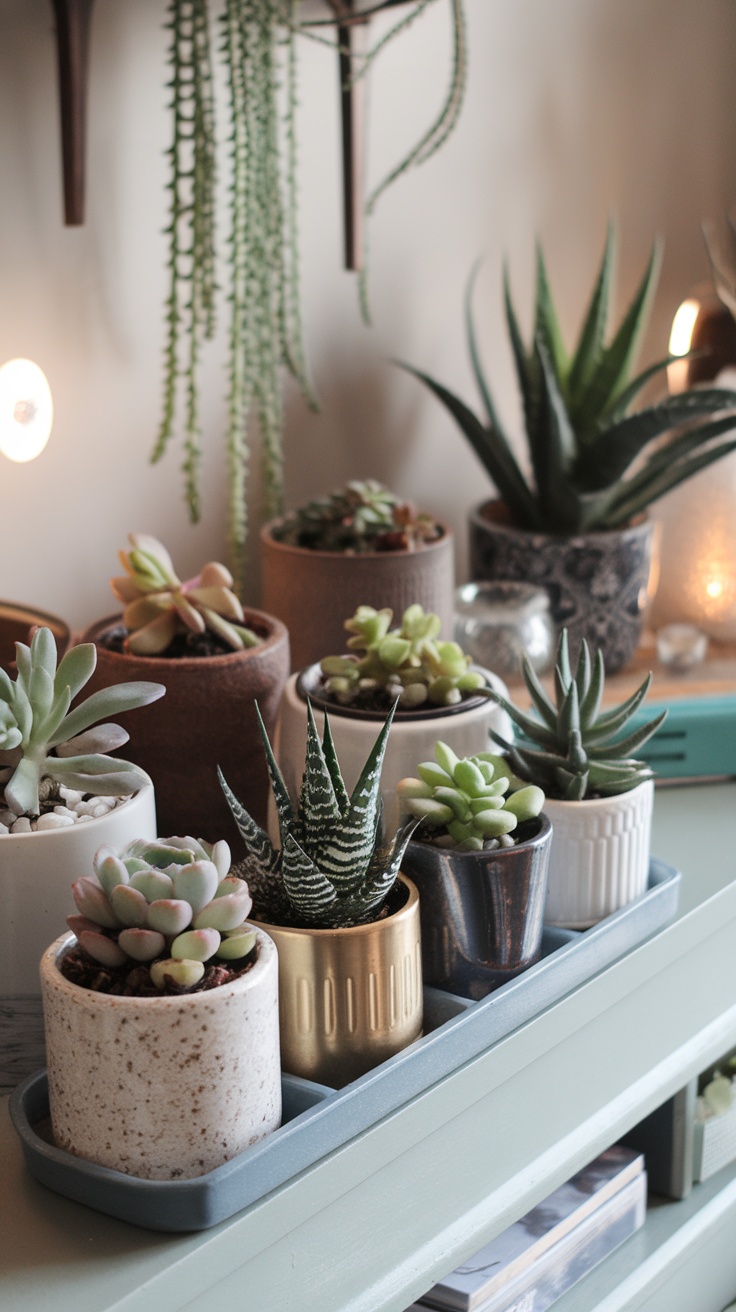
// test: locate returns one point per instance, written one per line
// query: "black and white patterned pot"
(597, 582)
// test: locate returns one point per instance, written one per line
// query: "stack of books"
(535, 1261)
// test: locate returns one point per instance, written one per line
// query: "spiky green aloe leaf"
(319, 811)
(346, 856)
(612, 373)
(385, 865)
(284, 808)
(558, 450)
(475, 359)
(590, 344)
(333, 765)
(546, 325)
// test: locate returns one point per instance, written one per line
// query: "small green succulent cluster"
(332, 869)
(581, 751)
(362, 516)
(408, 663)
(168, 904)
(158, 606)
(474, 802)
(41, 739)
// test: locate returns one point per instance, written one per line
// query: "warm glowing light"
(26, 410)
(714, 588)
(682, 327)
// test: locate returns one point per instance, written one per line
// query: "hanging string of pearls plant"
(258, 47)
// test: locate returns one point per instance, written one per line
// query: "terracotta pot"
(349, 998)
(163, 1088)
(315, 592)
(482, 913)
(16, 620)
(206, 719)
(597, 582)
(37, 871)
(599, 861)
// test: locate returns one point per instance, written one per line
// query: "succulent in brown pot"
(215, 659)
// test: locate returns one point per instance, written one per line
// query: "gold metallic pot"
(349, 998)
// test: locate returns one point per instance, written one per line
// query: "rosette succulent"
(408, 662)
(578, 750)
(169, 904)
(43, 742)
(332, 868)
(158, 606)
(362, 516)
(470, 803)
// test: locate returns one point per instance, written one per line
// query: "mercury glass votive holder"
(499, 622)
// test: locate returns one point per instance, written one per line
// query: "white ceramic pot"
(163, 1088)
(411, 740)
(599, 860)
(37, 871)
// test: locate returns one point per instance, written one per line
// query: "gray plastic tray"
(316, 1119)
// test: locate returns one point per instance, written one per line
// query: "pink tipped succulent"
(158, 606)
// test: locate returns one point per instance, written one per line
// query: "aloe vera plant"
(595, 465)
(332, 868)
(578, 750)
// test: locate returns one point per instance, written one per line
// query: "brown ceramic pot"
(314, 592)
(15, 622)
(206, 719)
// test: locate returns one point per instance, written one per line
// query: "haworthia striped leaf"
(257, 842)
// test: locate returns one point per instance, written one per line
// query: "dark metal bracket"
(73, 27)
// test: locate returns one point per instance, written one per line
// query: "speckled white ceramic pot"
(163, 1088)
(37, 871)
(599, 859)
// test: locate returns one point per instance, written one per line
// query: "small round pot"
(482, 913)
(37, 871)
(15, 622)
(465, 728)
(599, 860)
(315, 592)
(206, 719)
(597, 582)
(349, 998)
(163, 1088)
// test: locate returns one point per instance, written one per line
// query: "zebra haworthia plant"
(332, 869)
(170, 905)
(578, 750)
(42, 741)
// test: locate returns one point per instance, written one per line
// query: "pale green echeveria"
(473, 802)
(170, 903)
(408, 663)
(41, 737)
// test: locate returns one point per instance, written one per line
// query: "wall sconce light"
(26, 410)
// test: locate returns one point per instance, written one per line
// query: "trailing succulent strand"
(408, 663)
(258, 50)
(473, 803)
(579, 750)
(595, 465)
(362, 516)
(332, 868)
(169, 904)
(42, 740)
(158, 606)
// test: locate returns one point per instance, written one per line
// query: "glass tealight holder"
(498, 623)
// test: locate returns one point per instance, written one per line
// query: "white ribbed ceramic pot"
(37, 871)
(411, 740)
(163, 1088)
(599, 860)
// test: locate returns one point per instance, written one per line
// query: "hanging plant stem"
(190, 310)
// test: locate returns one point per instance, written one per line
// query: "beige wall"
(575, 109)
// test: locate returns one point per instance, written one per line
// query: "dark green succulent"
(362, 516)
(332, 868)
(578, 750)
(594, 464)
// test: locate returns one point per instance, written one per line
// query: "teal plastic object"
(696, 741)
